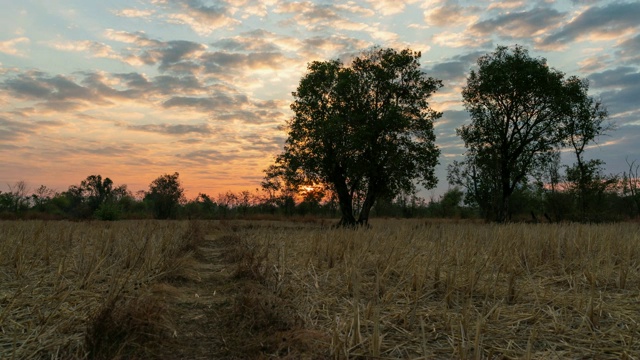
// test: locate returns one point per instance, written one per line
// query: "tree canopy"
(362, 130)
(165, 194)
(522, 111)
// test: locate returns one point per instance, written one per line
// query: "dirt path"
(230, 314)
(202, 307)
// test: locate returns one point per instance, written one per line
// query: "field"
(259, 289)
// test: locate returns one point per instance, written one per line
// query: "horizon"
(132, 91)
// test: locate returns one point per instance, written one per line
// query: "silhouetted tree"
(521, 111)
(165, 195)
(364, 131)
(16, 200)
(41, 197)
(96, 190)
(450, 203)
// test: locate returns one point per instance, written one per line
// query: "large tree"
(362, 130)
(522, 112)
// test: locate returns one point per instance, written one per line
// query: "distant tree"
(244, 201)
(202, 207)
(165, 195)
(280, 192)
(96, 191)
(16, 200)
(551, 183)
(588, 184)
(521, 111)
(363, 131)
(41, 197)
(311, 201)
(450, 202)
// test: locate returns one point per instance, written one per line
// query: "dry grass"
(402, 289)
(471, 291)
(89, 290)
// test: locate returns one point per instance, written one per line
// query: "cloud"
(96, 49)
(446, 126)
(507, 5)
(13, 130)
(10, 46)
(214, 157)
(461, 40)
(389, 7)
(629, 50)
(199, 17)
(134, 13)
(615, 78)
(594, 63)
(177, 55)
(319, 17)
(224, 62)
(138, 38)
(595, 22)
(332, 46)
(455, 69)
(207, 104)
(520, 25)
(173, 129)
(257, 40)
(450, 14)
(256, 50)
(94, 89)
(57, 93)
(620, 90)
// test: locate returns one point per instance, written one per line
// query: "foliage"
(16, 200)
(363, 131)
(165, 195)
(521, 111)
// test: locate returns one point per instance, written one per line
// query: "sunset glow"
(135, 89)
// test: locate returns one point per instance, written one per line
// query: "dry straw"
(402, 289)
(408, 289)
(77, 290)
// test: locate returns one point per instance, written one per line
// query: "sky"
(135, 89)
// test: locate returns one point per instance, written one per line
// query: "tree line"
(97, 198)
(362, 139)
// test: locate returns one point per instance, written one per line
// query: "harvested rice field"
(404, 289)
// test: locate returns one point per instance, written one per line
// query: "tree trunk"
(503, 211)
(346, 204)
(363, 219)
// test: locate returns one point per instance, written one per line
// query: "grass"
(445, 290)
(402, 289)
(88, 290)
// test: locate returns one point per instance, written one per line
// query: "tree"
(165, 195)
(96, 191)
(362, 131)
(449, 204)
(41, 196)
(520, 112)
(587, 121)
(16, 200)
